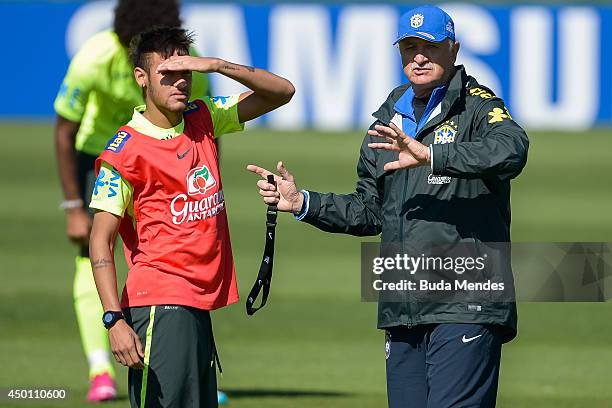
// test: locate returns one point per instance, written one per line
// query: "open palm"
(411, 153)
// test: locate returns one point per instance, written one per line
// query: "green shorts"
(180, 355)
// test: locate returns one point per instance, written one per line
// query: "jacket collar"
(404, 103)
(455, 93)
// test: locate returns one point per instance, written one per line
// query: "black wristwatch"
(111, 317)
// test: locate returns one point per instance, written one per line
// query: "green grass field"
(315, 344)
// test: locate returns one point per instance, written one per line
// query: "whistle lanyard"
(264, 277)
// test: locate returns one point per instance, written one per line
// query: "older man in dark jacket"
(434, 168)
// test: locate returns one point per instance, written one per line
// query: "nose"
(420, 59)
(181, 83)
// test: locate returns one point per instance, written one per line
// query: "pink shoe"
(102, 388)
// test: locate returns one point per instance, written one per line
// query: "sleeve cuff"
(305, 207)
(440, 152)
(101, 207)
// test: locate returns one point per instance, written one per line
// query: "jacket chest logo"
(445, 132)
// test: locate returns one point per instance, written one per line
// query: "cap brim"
(424, 36)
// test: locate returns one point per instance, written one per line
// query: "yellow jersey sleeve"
(112, 193)
(82, 74)
(224, 113)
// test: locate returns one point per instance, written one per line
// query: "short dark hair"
(162, 40)
(135, 16)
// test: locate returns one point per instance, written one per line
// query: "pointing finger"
(258, 170)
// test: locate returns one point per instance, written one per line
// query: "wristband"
(71, 204)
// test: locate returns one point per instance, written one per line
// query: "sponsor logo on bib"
(200, 180)
(116, 144)
(187, 208)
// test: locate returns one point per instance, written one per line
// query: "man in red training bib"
(159, 186)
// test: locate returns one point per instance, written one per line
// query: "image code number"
(35, 393)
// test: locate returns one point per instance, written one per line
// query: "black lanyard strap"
(264, 277)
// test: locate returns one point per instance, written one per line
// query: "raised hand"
(189, 63)
(286, 197)
(411, 152)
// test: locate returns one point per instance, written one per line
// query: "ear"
(455, 50)
(141, 77)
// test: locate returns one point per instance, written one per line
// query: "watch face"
(110, 317)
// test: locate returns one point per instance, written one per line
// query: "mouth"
(180, 95)
(420, 70)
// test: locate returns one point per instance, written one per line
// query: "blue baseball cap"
(430, 23)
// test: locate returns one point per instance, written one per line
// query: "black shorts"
(180, 355)
(86, 177)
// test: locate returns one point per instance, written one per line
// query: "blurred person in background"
(159, 187)
(434, 168)
(97, 96)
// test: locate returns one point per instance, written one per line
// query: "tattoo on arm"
(237, 67)
(102, 263)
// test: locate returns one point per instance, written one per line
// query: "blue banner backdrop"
(550, 64)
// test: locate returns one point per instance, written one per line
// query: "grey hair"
(451, 44)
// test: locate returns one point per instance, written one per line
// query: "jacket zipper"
(401, 223)
(401, 226)
(404, 191)
(401, 232)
